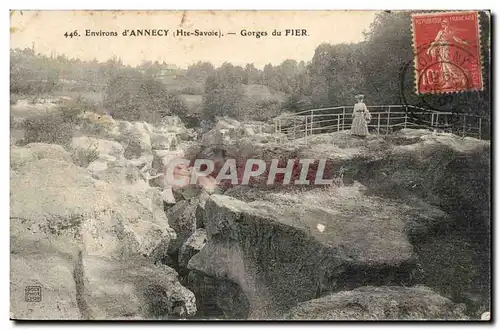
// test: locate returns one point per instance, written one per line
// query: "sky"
(46, 30)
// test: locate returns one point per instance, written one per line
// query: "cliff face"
(88, 234)
(112, 240)
(379, 303)
(397, 196)
(442, 169)
(89, 246)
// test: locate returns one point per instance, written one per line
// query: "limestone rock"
(56, 196)
(161, 159)
(143, 162)
(134, 289)
(101, 146)
(170, 121)
(20, 156)
(120, 173)
(285, 251)
(97, 166)
(136, 141)
(219, 298)
(379, 303)
(181, 217)
(44, 262)
(165, 141)
(192, 246)
(124, 126)
(58, 212)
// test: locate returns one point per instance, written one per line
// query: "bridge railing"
(385, 119)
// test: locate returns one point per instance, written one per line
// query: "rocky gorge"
(402, 233)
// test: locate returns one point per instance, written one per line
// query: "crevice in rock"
(79, 278)
(453, 255)
(217, 298)
(458, 267)
(357, 276)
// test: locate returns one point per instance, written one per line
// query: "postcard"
(250, 165)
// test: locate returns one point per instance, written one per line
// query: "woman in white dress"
(361, 117)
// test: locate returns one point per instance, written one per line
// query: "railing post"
(312, 121)
(406, 115)
(480, 128)
(437, 120)
(338, 123)
(305, 132)
(388, 118)
(463, 129)
(378, 123)
(278, 129)
(343, 118)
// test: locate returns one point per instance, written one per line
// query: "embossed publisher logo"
(33, 293)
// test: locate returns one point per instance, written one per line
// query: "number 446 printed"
(71, 34)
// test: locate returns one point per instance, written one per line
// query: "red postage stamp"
(447, 52)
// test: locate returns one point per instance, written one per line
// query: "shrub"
(55, 127)
(191, 121)
(47, 128)
(139, 99)
(222, 99)
(264, 110)
(34, 99)
(14, 98)
(84, 156)
(296, 102)
(12, 122)
(91, 128)
(192, 90)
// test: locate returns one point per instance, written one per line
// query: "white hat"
(359, 96)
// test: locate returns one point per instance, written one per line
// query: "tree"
(32, 74)
(147, 68)
(223, 92)
(131, 96)
(270, 78)
(387, 48)
(252, 74)
(335, 74)
(200, 70)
